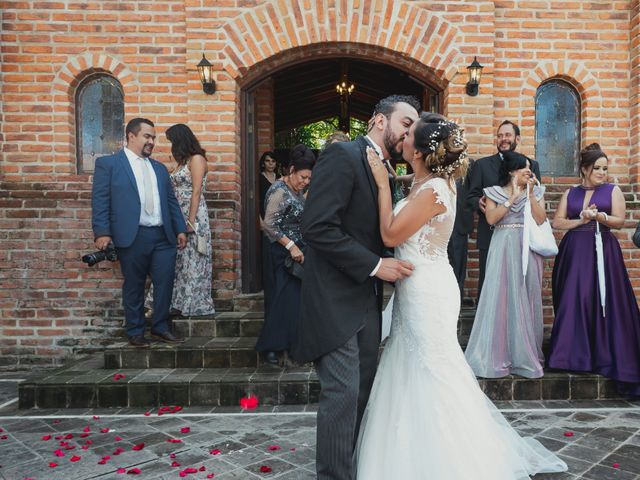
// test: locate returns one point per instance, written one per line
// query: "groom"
(339, 327)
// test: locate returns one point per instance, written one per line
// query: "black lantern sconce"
(205, 69)
(475, 73)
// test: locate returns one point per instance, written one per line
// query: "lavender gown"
(582, 338)
(507, 332)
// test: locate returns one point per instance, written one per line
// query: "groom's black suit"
(339, 327)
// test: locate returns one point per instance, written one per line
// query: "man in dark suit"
(134, 207)
(341, 299)
(484, 173)
(458, 249)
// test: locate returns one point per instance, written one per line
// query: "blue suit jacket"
(116, 205)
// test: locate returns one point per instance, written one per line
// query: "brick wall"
(50, 303)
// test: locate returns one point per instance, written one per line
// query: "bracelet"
(289, 245)
(606, 217)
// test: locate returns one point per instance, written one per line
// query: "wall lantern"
(205, 69)
(475, 73)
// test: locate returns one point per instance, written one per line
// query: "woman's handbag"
(294, 268)
(541, 239)
(201, 240)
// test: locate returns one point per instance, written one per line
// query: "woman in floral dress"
(192, 287)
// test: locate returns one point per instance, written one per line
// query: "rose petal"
(146, 414)
(174, 440)
(185, 430)
(122, 470)
(86, 429)
(68, 436)
(85, 447)
(202, 468)
(140, 446)
(53, 464)
(69, 447)
(176, 409)
(190, 470)
(56, 421)
(164, 409)
(117, 438)
(215, 451)
(175, 464)
(106, 457)
(75, 458)
(249, 403)
(59, 453)
(616, 465)
(292, 449)
(95, 417)
(265, 469)
(46, 437)
(172, 455)
(58, 437)
(104, 430)
(211, 475)
(118, 451)
(134, 471)
(89, 442)
(102, 462)
(84, 435)
(118, 376)
(568, 434)
(4, 437)
(273, 448)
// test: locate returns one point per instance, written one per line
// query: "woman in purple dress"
(585, 336)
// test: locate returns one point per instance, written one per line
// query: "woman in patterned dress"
(192, 286)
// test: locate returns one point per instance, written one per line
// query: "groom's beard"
(391, 144)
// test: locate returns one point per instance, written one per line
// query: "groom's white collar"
(376, 147)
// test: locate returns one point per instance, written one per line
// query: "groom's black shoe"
(271, 358)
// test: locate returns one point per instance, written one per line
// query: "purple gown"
(582, 338)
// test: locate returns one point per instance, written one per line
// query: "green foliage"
(314, 134)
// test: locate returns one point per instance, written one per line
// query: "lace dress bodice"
(429, 243)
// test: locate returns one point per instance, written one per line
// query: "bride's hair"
(442, 144)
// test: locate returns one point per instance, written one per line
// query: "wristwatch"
(506, 204)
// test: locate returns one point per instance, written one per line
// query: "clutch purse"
(201, 240)
(293, 268)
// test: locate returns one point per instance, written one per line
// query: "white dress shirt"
(137, 164)
(378, 150)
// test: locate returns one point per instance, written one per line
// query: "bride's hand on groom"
(378, 170)
(392, 269)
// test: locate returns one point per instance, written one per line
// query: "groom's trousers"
(346, 376)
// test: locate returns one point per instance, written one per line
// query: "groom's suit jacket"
(116, 202)
(340, 226)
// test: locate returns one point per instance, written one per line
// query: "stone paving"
(599, 440)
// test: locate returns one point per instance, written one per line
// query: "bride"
(427, 417)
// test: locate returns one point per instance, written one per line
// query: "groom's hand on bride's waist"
(392, 269)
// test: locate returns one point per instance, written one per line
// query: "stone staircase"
(218, 365)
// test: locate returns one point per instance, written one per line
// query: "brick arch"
(577, 76)
(399, 27)
(64, 87)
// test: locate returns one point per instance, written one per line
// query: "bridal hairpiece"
(441, 132)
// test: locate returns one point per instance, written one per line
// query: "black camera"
(108, 253)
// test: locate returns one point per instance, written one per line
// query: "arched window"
(99, 119)
(557, 128)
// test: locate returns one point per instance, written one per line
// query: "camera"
(108, 253)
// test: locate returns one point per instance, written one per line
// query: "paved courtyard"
(598, 440)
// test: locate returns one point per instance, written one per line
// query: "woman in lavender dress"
(507, 332)
(192, 287)
(584, 338)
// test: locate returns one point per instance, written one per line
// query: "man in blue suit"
(134, 208)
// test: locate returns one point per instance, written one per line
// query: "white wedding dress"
(427, 417)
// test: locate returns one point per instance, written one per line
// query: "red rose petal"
(172, 455)
(118, 376)
(58, 437)
(185, 430)
(211, 475)
(4, 437)
(75, 458)
(140, 446)
(106, 457)
(265, 469)
(53, 464)
(568, 434)
(176, 409)
(56, 421)
(69, 447)
(85, 447)
(89, 442)
(190, 470)
(292, 449)
(174, 440)
(249, 403)
(68, 436)
(118, 451)
(215, 451)
(164, 409)
(122, 470)
(175, 464)
(86, 429)
(46, 437)
(273, 448)
(59, 453)
(117, 438)
(616, 465)
(95, 417)
(146, 414)
(104, 430)
(134, 471)
(1, 430)
(202, 468)
(84, 435)
(102, 462)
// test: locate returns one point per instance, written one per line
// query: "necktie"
(148, 189)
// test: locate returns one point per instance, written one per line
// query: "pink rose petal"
(122, 470)
(117, 438)
(175, 464)
(75, 458)
(134, 471)
(138, 447)
(273, 448)
(215, 451)
(53, 464)
(185, 430)
(46, 437)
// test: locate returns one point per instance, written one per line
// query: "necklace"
(419, 181)
(584, 187)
